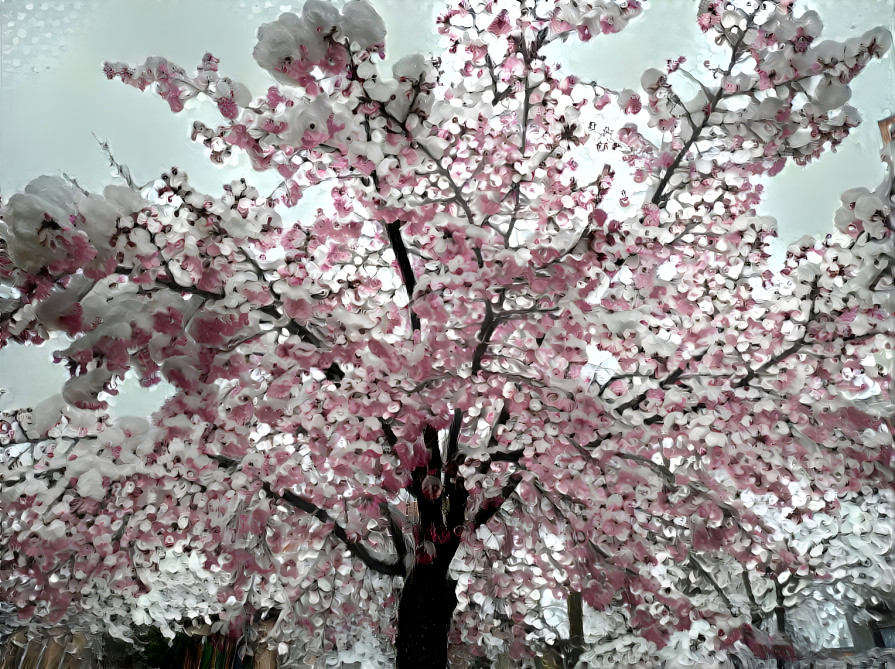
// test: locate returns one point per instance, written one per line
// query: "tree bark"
(424, 617)
(429, 596)
(575, 608)
(54, 651)
(780, 614)
(265, 657)
(13, 649)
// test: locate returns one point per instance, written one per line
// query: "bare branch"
(357, 549)
(493, 504)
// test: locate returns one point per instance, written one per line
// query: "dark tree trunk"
(429, 596)
(424, 617)
(780, 613)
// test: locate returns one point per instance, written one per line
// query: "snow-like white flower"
(362, 24)
(47, 202)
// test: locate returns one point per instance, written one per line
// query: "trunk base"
(424, 618)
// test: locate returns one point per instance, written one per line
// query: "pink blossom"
(501, 24)
(228, 108)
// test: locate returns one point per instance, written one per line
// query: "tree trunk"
(53, 653)
(424, 617)
(13, 649)
(780, 613)
(429, 596)
(575, 608)
(265, 658)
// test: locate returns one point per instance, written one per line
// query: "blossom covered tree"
(478, 375)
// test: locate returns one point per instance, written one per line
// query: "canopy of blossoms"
(467, 371)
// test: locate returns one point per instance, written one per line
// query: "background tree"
(389, 421)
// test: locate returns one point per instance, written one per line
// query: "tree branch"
(453, 445)
(400, 250)
(355, 548)
(270, 310)
(396, 533)
(503, 456)
(635, 402)
(658, 196)
(753, 604)
(707, 576)
(752, 373)
(666, 473)
(493, 504)
(485, 333)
